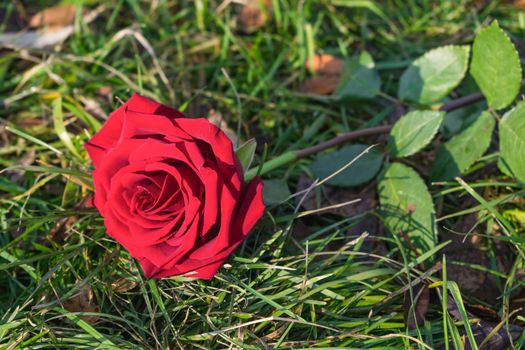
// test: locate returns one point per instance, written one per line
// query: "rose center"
(142, 200)
(164, 200)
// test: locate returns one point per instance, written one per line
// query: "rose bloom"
(171, 189)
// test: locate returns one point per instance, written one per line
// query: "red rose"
(171, 189)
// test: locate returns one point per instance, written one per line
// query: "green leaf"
(407, 206)
(512, 141)
(457, 120)
(515, 215)
(414, 131)
(246, 152)
(359, 79)
(362, 170)
(433, 75)
(275, 191)
(496, 66)
(460, 152)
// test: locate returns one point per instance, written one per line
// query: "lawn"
(339, 259)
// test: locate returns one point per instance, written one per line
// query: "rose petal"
(205, 272)
(250, 210)
(110, 164)
(141, 125)
(221, 146)
(106, 137)
(206, 263)
(141, 104)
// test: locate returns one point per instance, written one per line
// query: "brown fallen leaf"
(328, 71)
(469, 247)
(254, 15)
(56, 16)
(319, 85)
(482, 311)
(325, 65)
(468, 279)
(60, 231)
(123, 285)
(518, 3)
(501, 339)
(105, 92)
(415, 313)
(46, 35)
(28, 158)
(93, 107)
(83, 301)
(30, 122)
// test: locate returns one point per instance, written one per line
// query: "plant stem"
(376, 130)
(292, 156)
(461, 102)
(274, 163)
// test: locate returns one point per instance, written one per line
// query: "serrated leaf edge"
(482, 153)
(442, 113)
(496, 23)
(427, 193)
(463, 73)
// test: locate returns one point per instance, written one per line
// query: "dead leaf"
(254, 15)
(56, 16)
(83, 301)
(123, 285)
(93, 107)
(500, 340)
(468, 279)
(415, 313)
(325, 65)
(216, 118)
(28, 158)
(46, 36)
(469, 247)
(61, 229)
(328, 70)
(518, 3)
(482, 311)
(319, 85)
(105, 91)
(30, 122)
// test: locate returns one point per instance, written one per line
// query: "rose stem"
(291, 156)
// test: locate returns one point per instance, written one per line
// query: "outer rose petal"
(206, 272)
(108, 136)
(204, 261)
(250, 209)
(141, 104)
(221, 145)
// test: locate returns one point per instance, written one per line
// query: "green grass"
(295, 283)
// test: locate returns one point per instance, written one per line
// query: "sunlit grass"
(291, 285)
